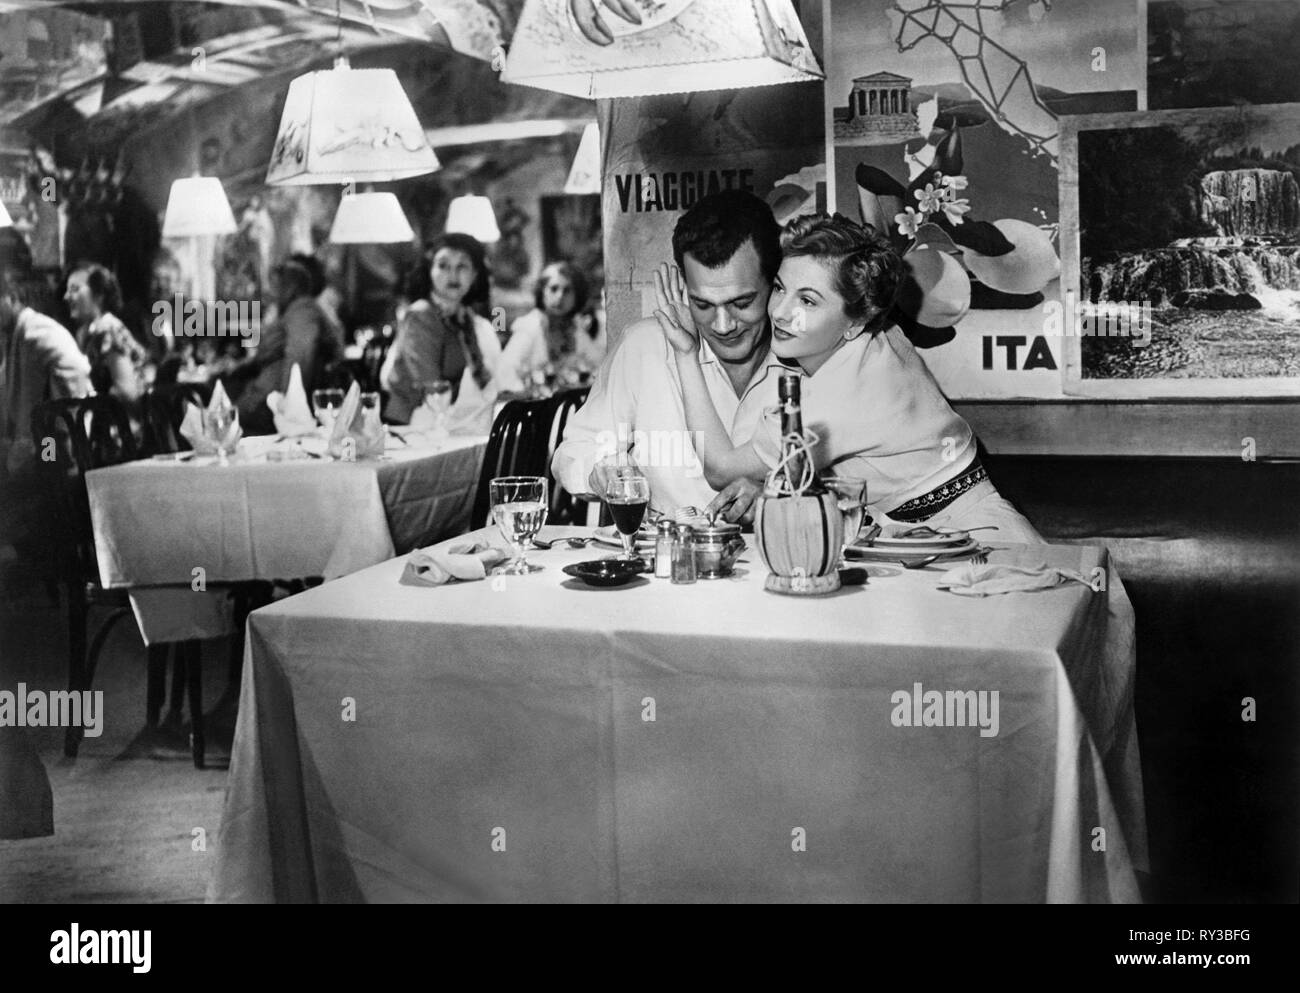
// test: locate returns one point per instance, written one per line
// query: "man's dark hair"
(15, 281)
(716, 227)
(293, 273)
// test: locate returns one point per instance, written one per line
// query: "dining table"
(174, 529)
(529, 738)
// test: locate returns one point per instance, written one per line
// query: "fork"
(979, 557)
(573, 542)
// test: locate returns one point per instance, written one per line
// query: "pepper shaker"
(684, 555)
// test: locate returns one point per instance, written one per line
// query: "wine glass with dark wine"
(626, 492)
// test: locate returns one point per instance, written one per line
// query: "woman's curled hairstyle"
(419, 283)
(869, 274)
(102, 285)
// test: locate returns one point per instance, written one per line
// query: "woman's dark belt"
(924, 507)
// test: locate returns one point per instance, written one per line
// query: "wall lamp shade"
(5, 220)
(370, 219)
(197, 206)
(473, 216)
(584, 175)
(342, 125)
(684, 46)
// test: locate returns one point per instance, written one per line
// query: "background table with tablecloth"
(157, 522)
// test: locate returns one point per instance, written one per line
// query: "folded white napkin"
(194, 425)
(969, 579)
(358, 432)
(466, 562)
(474, 409)
(293, 417)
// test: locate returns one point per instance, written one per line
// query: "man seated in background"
(728, 246)
(302, 332)
(39, 361)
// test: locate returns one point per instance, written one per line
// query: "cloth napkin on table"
(360, 424)
(969, 579)
(194, 425)
(465, 562)
(293, 417)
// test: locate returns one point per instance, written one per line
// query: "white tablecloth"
(157, 522)
(517, 714)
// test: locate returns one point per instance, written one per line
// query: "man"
(41, 362)
(303, 334)
(728, 248)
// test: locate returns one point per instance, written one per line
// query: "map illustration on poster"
(903, 76)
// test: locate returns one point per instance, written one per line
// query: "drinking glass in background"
(519, 508)
(437, 397)
(326, 404)
(220, 425)
(626, 492)
(851, 499)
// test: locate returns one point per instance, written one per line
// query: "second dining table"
(167, 529)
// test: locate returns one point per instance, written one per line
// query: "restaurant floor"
(135, 821)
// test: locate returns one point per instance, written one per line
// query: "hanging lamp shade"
(5, 220)
(197, 206)
(370, 219)
(584, 175)
(682, 46)
(473, 216)
(342, 124)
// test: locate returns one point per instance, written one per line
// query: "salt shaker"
(665, 537)
(684, 555)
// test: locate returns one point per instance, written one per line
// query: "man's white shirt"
(635, 406)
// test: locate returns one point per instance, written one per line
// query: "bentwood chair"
(164, 410)
(72, 437)
(524, 436)
(516, 447)
(565, 507)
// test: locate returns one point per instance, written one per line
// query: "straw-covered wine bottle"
(797, 526)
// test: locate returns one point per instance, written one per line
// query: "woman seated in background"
(878, 412)
(442, 335)
(560, 332)
(118, 362)
(302, 333)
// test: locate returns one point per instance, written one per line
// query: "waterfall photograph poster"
(1180, 249)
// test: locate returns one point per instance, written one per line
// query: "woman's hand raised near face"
(674, 311)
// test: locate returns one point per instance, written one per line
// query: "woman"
(442, 334)
(876, 409)
(117, 361)
(560, 330)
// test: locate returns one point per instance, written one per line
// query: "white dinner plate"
(948, 538)
(608, 535)
(874, 553)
